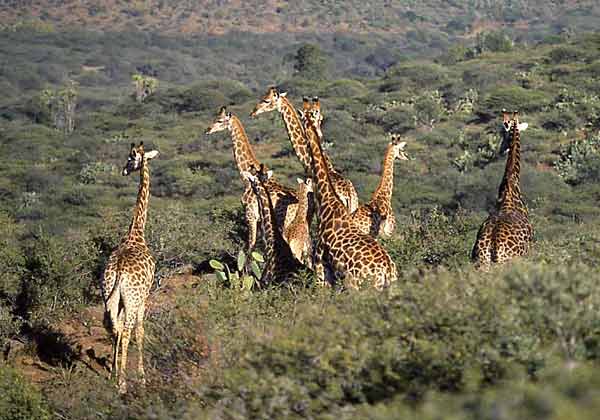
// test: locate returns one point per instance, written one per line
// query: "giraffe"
(285, 200)
(274, 100)
(344, 187)
(280, 261)
(297, 233)
(507, 233)
(129, 274)
(376, 217)
(342, 251)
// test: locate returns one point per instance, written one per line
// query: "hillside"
(444, 341)
(270, 16)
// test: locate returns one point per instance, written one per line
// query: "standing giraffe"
(342, 251)
(273, 100)
(129, 274)
(280, 262)
(377, 216)
(285, 200)
(507, 233)
(297, 233)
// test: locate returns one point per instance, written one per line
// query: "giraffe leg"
(252, 221)
(116, 340)
(139, 337)
(128, 326)
(118, 333)
(324, 276)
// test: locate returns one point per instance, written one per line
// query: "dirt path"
(83, 339)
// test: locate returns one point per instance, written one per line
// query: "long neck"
(324, 192)
(296, 133)
(242, 150)
(138, 223)
(267, 215)
(509, 194)
(302, 209)
(386, 183)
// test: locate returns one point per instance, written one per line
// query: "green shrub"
(580, 161)
(18, 399)
(511, 98)
(60, 277)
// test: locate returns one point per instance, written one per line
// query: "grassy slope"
(309, 16)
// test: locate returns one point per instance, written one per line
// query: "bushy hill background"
(521, 341)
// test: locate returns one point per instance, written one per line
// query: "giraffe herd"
(344, 249)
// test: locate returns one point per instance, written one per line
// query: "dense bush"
(580, 161)
(19, 400)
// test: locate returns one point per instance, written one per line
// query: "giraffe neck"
(242, 150)
(325, 194)
(138, 223)
(509, 194)
(267, 215)
(302, 209)
(386, 183)
(296, 132)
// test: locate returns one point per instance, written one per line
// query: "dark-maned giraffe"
(285, 200)
(274, 100)
(376, 217)
(280, 263)
(129, 274)
(507, 233)
(342, 252)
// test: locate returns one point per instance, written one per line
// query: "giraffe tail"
(111, 310)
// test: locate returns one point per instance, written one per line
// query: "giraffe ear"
(283, 94)
(299, 181)
(309, 184)
(151, 154)
(401, 145)
(269, 174)
(248, 176)
(522, 126)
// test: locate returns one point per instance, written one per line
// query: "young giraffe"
(273, 100)
(280, 262)
(342, 251)
(507, 233)
(285, 200)
(129, 274)
(377, 216)
(297, 233)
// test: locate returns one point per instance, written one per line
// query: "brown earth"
(82, 338)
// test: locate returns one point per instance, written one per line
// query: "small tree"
(311, 62)
(60, 105)
(144, 86)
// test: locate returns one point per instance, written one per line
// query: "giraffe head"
(506, 129)
(270, 102)
(136, 157)
(305, 185)
(256, 175)
(311, 112)
(398, 146)
(222, 122)
(311, 108)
